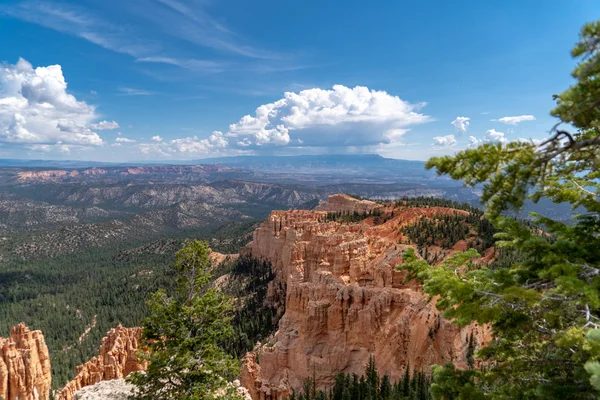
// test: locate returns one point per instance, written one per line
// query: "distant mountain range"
(314, 169)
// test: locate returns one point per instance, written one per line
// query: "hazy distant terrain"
(94, 239)
(65, 206)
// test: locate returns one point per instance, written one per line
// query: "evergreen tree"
(182, 336)
(385, 390)
(544, 309)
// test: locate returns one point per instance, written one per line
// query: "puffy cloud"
(444, 141)
(124, 140)
(516, 120)
(491, 136)
(340, 116)
(35, 108)
(461, 124)
(185, 146)
(356, 119)
(474, 142)
(105, 125)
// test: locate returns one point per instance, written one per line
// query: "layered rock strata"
(346, 301)
(24, 365)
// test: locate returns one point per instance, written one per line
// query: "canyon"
(346, 300)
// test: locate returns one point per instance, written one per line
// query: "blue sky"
(188, 79)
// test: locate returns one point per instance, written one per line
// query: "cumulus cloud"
(105, 125)
(356, 119)
(515, 120)
(185, 146)
(491, 136)
(124, 140)
(36, 109)
(340, 116)
(461, 124)
(444, 141)
(474, 142)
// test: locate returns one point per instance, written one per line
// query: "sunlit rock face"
(24, 365)
(346, 300)
(116, 359)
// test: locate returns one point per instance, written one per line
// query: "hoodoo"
(24, 365)
(117, 359)
(346, 301)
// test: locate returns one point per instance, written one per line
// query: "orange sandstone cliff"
(24, 365)
(117, 359)
(345, 301)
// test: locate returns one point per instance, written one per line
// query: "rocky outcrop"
(117, 359)
(346, 301)
(24, 365)
(345, 203)
(116, 389)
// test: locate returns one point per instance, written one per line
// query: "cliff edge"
(346, 300)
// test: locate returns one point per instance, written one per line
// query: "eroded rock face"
(24, 365)
(117, 359)
(346, 301)
(345, 203)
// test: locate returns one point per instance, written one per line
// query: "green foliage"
(446, 230)
(254, 318)
(542, 297)
(369, 386)
(182, 334)
(347, 216)
(62, 295)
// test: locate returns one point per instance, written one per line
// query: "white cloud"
(35, 108)
(124, 140)
(105, 125)
(191, 64)
(474, 142)
(186, 146)
(126, 91)
(156, 138)
(516, 120)
(461, 124)
(340, 116)
(54, 148)
(444, 141)
(491, 136)
(531, 140)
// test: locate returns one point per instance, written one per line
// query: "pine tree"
(182, 336)
(385, 391)
(547, 304)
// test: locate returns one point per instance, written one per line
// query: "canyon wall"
(346, 301)
(117, 359)
(24, 365)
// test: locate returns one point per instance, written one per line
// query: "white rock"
(116, 389)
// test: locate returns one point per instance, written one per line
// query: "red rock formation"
(117, 359)
(343, 202)
(346, 301)
(24, 365)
